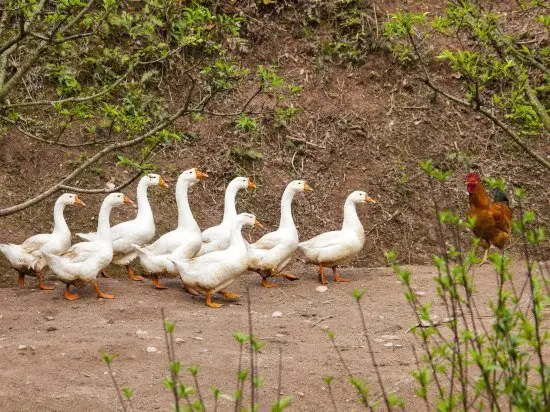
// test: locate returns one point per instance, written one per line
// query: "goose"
(214, 271)
(186, 238)
(27, 259)
(273, 251)
(83, 261)
(332, 249)
(217, 237)
(140, 230)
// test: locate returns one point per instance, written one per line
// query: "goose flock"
(207, 262)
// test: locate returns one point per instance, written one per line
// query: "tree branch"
(495, 119)
(72, 99)
(95, 191)
(102, 153)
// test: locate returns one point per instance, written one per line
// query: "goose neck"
(144, 208)
(103, 225)
(287, 220)
(229, 209)
(351, 220)
(236, 236)
(185, 216)
(60, 225)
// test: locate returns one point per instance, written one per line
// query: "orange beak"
(257, 223)
(251, 185)
(307, 188)
(77, 201)
(200, 175)
(162, 183)
(127, 200)
(370, 199)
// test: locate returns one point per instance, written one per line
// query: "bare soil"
(61, 369)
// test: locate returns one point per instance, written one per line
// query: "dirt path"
(64, 370)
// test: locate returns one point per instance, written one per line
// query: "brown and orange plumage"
(493, 219)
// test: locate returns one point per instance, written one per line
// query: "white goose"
(27, 259)
(185, 239)
(83, 261)
(217, 237)
(273, 251)
(139, 231)
(332, 249)
(214, 271)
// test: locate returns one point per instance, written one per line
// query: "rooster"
(492, 219)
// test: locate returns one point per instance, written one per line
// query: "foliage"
(103, 66)
(503, 76)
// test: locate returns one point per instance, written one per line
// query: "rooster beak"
(370, 199)
(77, 201)
(257, 223)
(200, 175)
(307, 188)
(162, 183)
(251, 185)
(127, 200)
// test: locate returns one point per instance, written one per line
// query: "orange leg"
(100, 293)
(104, 273)
(229, 295)
(190, 290)
(322, 277)
(267, 284)
(21, 280)
(209, 300)
(337, 277)
(69, 295)
(41, 284)
(289, 276)
(157, 283)
(132, 275)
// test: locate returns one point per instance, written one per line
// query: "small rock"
(388, 344)
(398, 345)
(151, 349)
(110, 321)
(51, 328)
(198, 338)
(49, 317)
(420, 293)
(446, 320)
(180, 340)
(277, 314)
(22, 347)
(300, 394)
(141, 333)
(321, 288)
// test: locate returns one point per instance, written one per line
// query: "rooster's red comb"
(473, 177)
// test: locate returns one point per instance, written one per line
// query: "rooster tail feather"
(500, 196)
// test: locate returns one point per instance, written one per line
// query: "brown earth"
(61, 369)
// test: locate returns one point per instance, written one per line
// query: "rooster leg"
(209, 300)
(157, 283)
(337, 277)
(100, 293)
(322, 277)
(132, 275)
(229, 295)
(41, 284)
(484, 260)
(21, 280)
(69, 295)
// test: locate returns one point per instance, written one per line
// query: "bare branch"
(114, 189)
(102, 153)
(495, 119)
